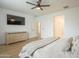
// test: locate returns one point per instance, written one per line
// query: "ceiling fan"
(38, 5)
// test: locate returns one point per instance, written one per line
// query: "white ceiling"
(21, 6)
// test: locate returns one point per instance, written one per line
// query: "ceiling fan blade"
(34, 7)
(44, 5)
(30, 3)
(39, 1)
(41, 8)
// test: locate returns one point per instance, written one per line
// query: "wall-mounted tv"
(15, 20)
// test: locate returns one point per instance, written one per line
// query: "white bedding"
(52, 50)
(56, 50)
(29, 49)
(48, 49)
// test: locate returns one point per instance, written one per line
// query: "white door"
(38, 29)
(59, 26)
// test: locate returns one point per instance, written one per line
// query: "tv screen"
(15, 20)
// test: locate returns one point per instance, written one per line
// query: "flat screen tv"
(15, 20)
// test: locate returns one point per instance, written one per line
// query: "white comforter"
(53, 50)
(48, 49)
(29, 49)
(57, 49)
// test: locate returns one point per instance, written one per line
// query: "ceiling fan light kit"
(38, 8)
(38, 5)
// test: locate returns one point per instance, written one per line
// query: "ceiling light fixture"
(38, 8)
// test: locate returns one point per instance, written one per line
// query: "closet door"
(59, 26)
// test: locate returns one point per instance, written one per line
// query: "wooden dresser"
(16, 37)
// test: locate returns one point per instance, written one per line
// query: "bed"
(52, 48)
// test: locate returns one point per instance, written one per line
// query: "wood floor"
(12, 50)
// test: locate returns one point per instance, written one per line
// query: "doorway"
(59, 26)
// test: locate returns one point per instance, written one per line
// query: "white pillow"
(75, 48)
(67, 46)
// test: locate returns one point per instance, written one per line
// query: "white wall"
(71, 27)
(28, 27)
(72, 22)
(47, 24)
